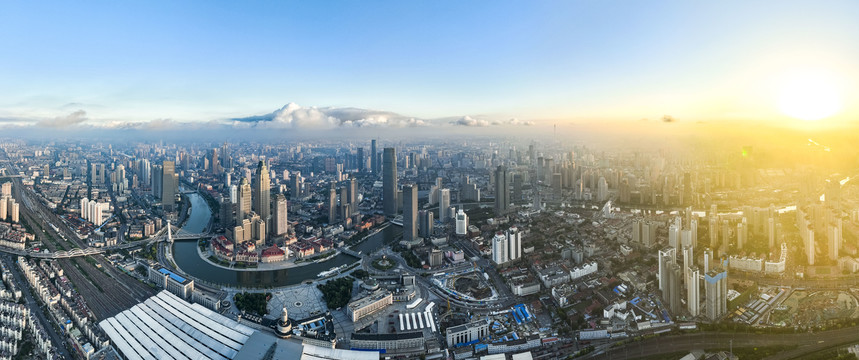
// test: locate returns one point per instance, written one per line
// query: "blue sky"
(204, 60)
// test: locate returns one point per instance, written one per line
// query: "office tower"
(228, 180)
(168, 185)
(602, 189)
(374, 157)
(157, 180)
(280, 226)
(244, 207)
(716, 293)
(234, 193)
(426, 223)
(693, 291)
(226, 213)
(664, 256)
(295, 191)
(359, 159)
(410, 212)
(517, 188)
(502, 193)
(389, 182)
(499, 248)
(214, 162)
(514, 243)
(353, 192)
(461, 223)
(145, 172)
(225, 157)
(262, 193)
(443, 205)
(332, 204)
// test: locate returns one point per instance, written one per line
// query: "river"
(186, 257)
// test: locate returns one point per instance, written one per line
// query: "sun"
(809, 95)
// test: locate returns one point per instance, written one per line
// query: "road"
(59, 342)
(807, 343)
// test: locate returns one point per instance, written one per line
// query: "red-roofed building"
(273, 254)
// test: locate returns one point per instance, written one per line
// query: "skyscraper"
(716, 293)
(444, 205)
(499, 248)
(244, 206)
(262, 193)
(280, 218)
(168, 185)
(502, 193)
(693, 294)
(353, 192)
(374, 157)
(461, 222)
(332, 204)
(514, 243)
(225, 157)
(389, 182)
(410, 212)
(360, 160)
(426, 223)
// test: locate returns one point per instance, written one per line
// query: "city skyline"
(160, 65)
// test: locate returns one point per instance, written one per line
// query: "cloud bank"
(75, 118)
(289, 117)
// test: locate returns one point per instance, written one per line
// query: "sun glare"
(809, 96)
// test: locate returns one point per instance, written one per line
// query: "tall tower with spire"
(262, 193)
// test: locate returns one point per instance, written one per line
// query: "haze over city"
(429, 180)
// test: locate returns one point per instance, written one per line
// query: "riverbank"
(261, 266)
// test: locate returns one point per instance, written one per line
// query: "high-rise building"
(225, 157)
(443, 204)
(244, 206)
(602, 189)
(168, 185)
(426, 223)
(461, 223)
(295, 191)
(674, 236)
(693, 291)
(332, 204)
(410, 212)
(360, 160)
(374, 157)
(389, 182)
(281, 225)
(353, 192)
(262, 193)
(675, 276)
(716, 293)
(6, 189)
(514, 243)
(499, 248)
(157, 180)
(664, 257)
(14, 209)
(502, 192)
